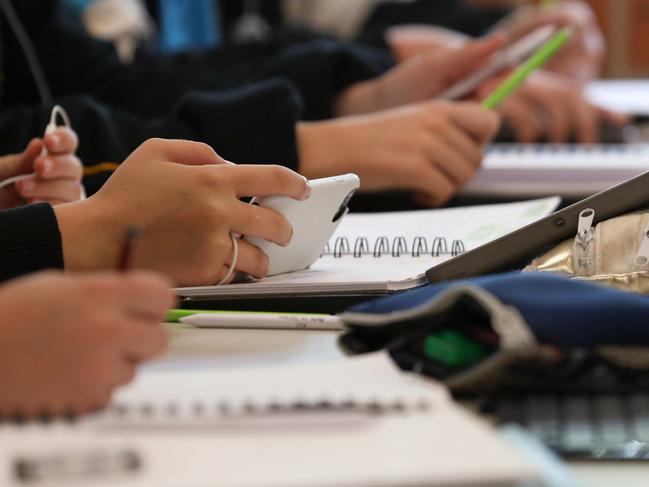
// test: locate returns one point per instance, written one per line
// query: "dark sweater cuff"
(322, 70)
(250, 125)
(30, 240)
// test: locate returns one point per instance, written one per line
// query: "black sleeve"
(323, 68)
(457, 15)
(76, 64)
(29, 241)
(254, 124)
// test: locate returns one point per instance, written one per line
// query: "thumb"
(457, 64)
(23, 163)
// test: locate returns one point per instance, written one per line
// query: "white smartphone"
(509, 57)
(314, 222)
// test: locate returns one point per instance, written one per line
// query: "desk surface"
(190, 347)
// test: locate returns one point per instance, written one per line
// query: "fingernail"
(27, 186)
(47, 166)
(307, 192)
(289, 238)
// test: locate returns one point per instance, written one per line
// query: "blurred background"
(625, 24)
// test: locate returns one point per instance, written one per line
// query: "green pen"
(538, 59)
(548, 4)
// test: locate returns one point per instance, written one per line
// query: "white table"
(190, 347)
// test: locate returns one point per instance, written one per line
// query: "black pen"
(124, 263)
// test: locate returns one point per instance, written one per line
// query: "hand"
(58, 173)
(549, 107)
(430, 148)
(408, 41)
(83, 338)
(417, 79)
(185, 198)
(581, 59)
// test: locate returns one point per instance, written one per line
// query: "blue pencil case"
(510, 331)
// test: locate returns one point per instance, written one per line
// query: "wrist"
(360, 98)
(321, 147)
(89, 237)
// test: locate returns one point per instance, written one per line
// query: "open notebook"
(529, 170)
(354, 422)
(623, 95)
(391, 251)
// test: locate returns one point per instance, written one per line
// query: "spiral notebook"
(529, 170)
(349, 422)
(374, 253)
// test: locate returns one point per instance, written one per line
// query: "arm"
(219, 119)
(29, 240)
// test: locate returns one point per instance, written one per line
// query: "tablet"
(518, 248)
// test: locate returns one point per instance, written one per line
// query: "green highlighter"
(538, 59)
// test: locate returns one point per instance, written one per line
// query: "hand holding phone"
(314, 221)
(508, 58)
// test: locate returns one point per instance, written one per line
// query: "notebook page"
(471, 226)
(565, 169)
(420, 447)
(446, 447)
(370, 377)
(622, 95)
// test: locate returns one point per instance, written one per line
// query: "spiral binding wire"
(204, 410)
(398, 247)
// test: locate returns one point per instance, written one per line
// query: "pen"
(538, 59)
(271, 321)
(126, 255)
(174, 315)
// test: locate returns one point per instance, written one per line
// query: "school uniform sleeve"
(320, 68)
(30, 241)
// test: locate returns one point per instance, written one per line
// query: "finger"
(465, 146)
(586, 123)
(479, 123)
(181, 151)
(62, 140)
(458, 63)
(616, 118)
(451, 163)
(58, 189)
(147, 295)
(17, 164)
(59, 167)
(251, 180)
(523, 120)
(123, 372)
(434, 184)
(251, 260)
(558, 114)
(255, 221)
(143, 342)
